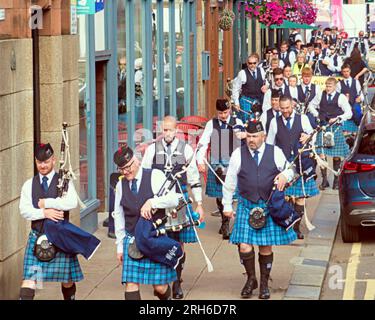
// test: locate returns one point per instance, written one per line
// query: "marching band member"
(280, 85)
(320, 62)
(39, 202)
(361, 42)
(351, 88)
(289, 132)
(329, 108)
(253, 169)
(334, 61)
(136, 197)
(171, 154)
(249, 86)
(266, 117)
(286, 56)
(223, 133)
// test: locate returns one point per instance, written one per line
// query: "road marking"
(351, 272)
(370, 290)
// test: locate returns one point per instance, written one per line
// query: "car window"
(367, 145)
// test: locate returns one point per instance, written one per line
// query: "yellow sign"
(321, 81)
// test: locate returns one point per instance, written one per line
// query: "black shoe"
(105, 223)
(264, 292)
(300, 235)
(111, 235)
(177, 292)
(250, 285)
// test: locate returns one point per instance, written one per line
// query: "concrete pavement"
(103, 275)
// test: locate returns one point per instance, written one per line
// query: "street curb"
(312, 264)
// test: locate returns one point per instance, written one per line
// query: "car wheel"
(349, 233)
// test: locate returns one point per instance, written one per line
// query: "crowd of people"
(261, 150)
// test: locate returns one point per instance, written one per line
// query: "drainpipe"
(36, 88)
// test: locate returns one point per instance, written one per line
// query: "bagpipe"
(151, 239)
(302, 107)
(63, 235)
(254, 112)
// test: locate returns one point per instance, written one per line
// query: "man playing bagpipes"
(332, 108)
(135, 199)
(254, 168)
(223, 133)
(289, 132)
(351, 88)
(170, 155)
(274, 112)
(307, 91)
(53, 244)
(249, 87)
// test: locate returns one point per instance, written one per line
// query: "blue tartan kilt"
(214, 189)
(349, 126)
(295, 190)
(187, 235)
(270, 235)
(63, 268)
(341, 148)
(245, 104)
(145, 271)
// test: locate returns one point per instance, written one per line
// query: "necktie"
(169, 149)
(254, 74)
(277, 113)
(256, 157)
(223, 125)
(134, 186)
(329, 98)
(288, 123)
(283, 56)
(306, 90)
(45, 184)
(347, 83)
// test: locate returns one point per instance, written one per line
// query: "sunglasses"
(126, 168)
(251, 63)
(279, 79)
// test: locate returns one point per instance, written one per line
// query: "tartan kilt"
(295, 190)
(349, 126)
(214, 189)
(245, 106)
(186, 235)
(341, 148)
(144, 271)
(270, 235)
(63, 268)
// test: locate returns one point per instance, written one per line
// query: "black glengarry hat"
(254, 126)
(43, 151)
(222, 104)
(123, 155)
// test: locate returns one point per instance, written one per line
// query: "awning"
(289, 25)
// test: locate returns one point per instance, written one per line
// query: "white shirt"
(235, 167)
(192, 172)
(357, 85)
(306, 126)
(352, 44)
(65, 203)
(343, 103)
(293, 92)
(206, 137)
(318, 91)
(171, 199)
(240, 80)
(292, 57)
(331, 63)
(267, 97)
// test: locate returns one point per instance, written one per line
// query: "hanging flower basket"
(226, 20)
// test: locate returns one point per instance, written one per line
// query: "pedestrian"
(223, 133)
(170, 155)
(39, 201)
(254, 168)
(330, 108)
(290, 132)
(136, 196)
